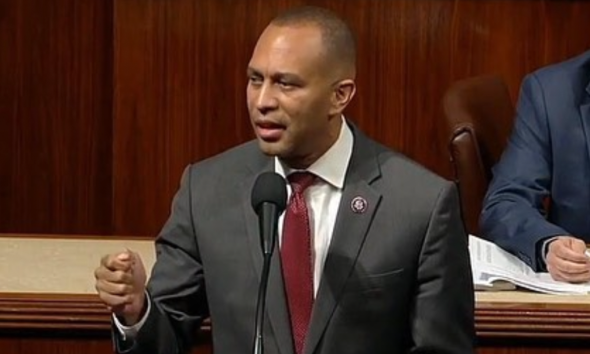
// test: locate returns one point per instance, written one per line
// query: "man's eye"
(255, 80)
(285, 84)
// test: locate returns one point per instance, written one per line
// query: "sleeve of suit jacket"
(443, 313)
(513, 211)
(176, 286)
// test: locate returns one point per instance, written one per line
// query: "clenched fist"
(120, 283)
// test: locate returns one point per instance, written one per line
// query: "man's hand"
(120, 283)
(567, 261)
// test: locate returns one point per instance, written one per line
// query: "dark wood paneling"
(55, 116)
(71, 344)
(57, 311)
(179, 70)
(61, 324)
(32, 344)
(78, 237)
(103, 103)
(511, 348)
(68, 323)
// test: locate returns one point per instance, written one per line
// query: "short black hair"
(336, 34)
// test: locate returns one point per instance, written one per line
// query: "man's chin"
(271, 148)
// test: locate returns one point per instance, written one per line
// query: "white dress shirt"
(322, 198)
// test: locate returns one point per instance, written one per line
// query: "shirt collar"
(332, 165)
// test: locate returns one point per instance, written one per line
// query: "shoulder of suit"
(397, 166)
(575, 70)
(235, 158)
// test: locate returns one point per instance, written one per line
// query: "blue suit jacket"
(548, 155)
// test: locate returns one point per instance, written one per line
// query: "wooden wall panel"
(70, 343)
(179, 73)
(55, 116)
(176, 89)
(53, 345)
(103, 103)
(76, 323)
(40, 323)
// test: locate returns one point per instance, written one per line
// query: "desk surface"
(508, 298)
(50, 281)
(60, 265)
(66, 265)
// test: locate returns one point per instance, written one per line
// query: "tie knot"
(300, 181)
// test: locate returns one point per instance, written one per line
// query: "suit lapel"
(276, 303)
(352, 224)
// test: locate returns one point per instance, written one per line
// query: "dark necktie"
(296, 258)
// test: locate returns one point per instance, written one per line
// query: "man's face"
(289, 95)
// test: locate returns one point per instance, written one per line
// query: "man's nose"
(266, 100)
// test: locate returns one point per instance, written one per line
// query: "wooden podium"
(525, 322)
(48, 304)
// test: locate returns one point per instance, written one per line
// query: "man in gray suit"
(385, 265)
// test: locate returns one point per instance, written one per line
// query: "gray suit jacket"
(397, 278)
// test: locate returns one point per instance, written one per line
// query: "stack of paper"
(495, 269)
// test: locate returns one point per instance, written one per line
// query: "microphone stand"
(267, 242)
(260, 306)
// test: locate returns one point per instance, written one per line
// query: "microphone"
(269, 199)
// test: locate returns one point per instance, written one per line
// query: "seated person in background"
(546, 163)
(371, 258)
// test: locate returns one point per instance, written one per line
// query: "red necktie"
(296, 258)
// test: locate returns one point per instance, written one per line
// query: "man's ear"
(343, 93)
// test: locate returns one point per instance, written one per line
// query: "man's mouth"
(269, 131)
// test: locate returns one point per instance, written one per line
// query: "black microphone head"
(269, 187)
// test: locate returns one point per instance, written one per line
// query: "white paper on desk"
(495, 269)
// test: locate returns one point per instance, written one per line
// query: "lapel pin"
(358, 205)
